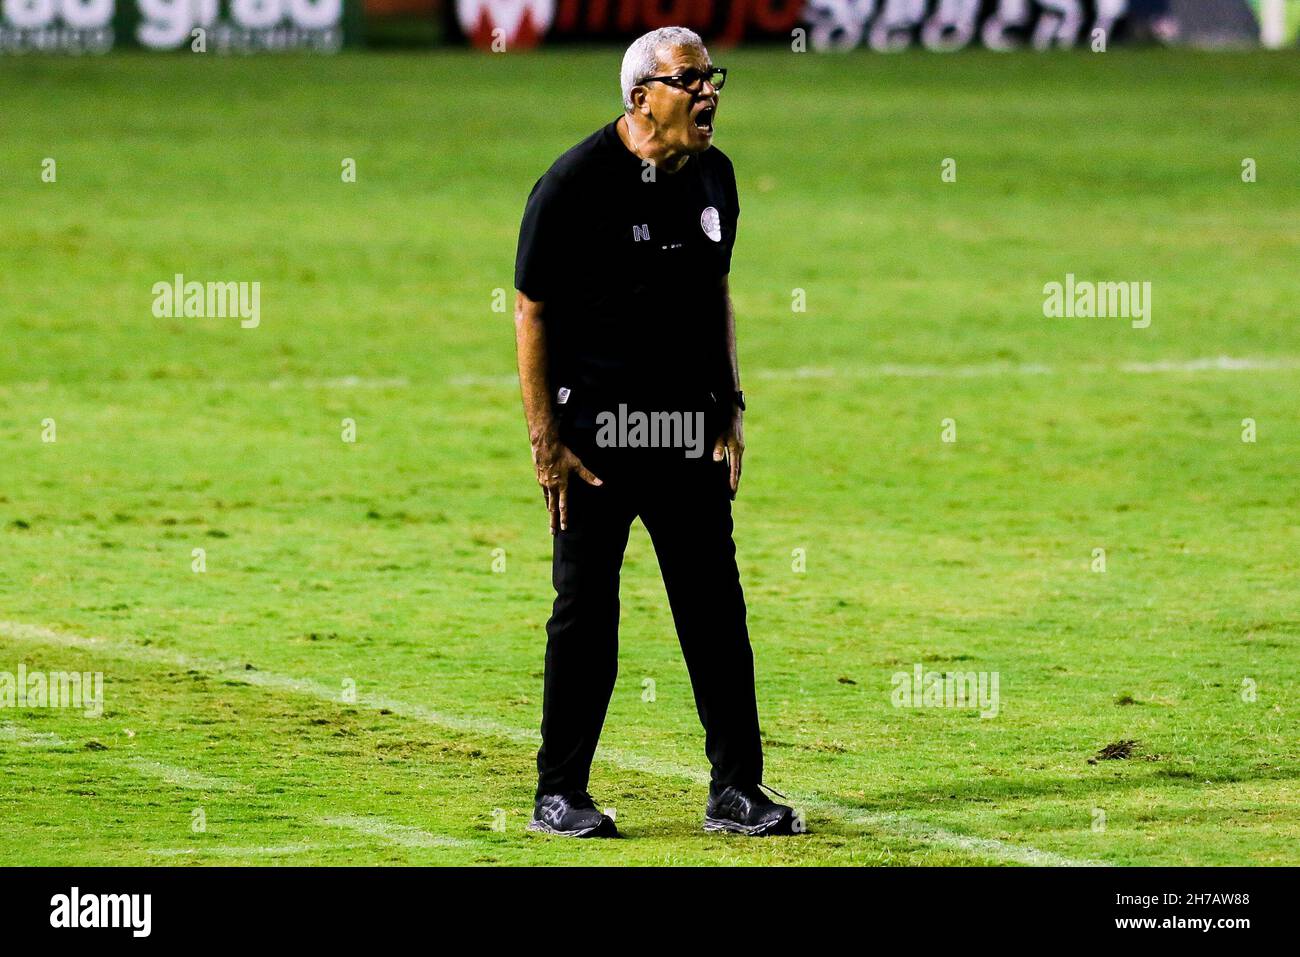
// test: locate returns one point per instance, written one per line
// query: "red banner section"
(510, 24)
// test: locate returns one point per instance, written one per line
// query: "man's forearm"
(731, 443)
(729, 326)
(530, 347)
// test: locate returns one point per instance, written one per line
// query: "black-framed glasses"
(692, 80)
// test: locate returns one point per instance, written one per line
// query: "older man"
(623, 316)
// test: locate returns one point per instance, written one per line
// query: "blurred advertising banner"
(886, 26)
(198, 26)
(491, 23)
(57, 26)
(889, 26)
(883, 25)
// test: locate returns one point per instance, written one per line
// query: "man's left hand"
(731, 443)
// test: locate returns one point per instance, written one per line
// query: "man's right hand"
(555, 462)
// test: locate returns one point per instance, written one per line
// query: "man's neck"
(641, 141)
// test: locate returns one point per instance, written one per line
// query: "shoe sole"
(605, 828)
(781, 826)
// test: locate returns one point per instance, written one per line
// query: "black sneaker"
(746, 810)
(571, 815)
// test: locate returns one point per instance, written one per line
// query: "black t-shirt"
(630, 269)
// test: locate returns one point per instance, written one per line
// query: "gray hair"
(642, 57)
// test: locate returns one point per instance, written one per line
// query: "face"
(683, 118)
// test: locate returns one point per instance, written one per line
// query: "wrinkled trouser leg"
(691, 530)
(582, 634)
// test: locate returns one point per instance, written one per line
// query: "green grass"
(372, 562)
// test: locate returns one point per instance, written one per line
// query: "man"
(623, 304)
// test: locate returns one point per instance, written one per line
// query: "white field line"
(185, 778)
(897, 824)
(25, 738)
(891, 370)
(400, 834)
(980, 846)
(223, 850)
(181, 777)
(191, 780)
(887, 370)
(1215, 364)
(895, 370)
(393, 833)
(341, 382)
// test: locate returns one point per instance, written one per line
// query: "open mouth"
(703, 116)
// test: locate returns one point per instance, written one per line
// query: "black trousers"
(685, 505)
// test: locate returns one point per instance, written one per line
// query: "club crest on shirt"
(711, 223)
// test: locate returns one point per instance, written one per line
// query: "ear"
(640, 100)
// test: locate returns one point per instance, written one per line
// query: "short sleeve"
(732, 214)
(541, 239)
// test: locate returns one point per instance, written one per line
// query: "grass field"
(330, 563)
